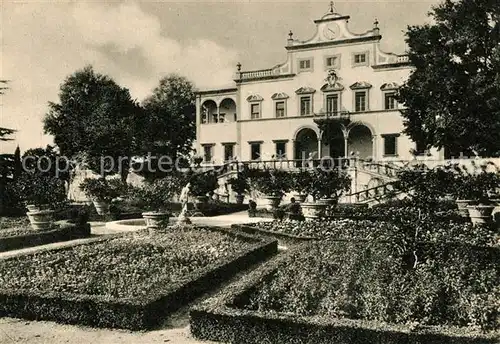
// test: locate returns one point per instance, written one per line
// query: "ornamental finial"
(332, 10)
(290, 34)
(375, 24)
(239, 67)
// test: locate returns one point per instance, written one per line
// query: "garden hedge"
(223, 319)
(142, 313)
(63, 232)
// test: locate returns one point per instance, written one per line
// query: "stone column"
(374, 148)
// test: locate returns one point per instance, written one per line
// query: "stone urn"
(41, 219)
(462, 205)
(156, 220)
(271, 202)
(101, 206)
(481, 214)
(313, 211)
(299, 197)
(35, 207)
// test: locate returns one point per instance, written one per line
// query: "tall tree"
(452, 98)
(170, 125)
(94, 117)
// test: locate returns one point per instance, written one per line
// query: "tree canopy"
(171, 117)
(452, 98)
(95, 117)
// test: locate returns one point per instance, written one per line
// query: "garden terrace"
(351, 293)
(127, 281)
(22, 236)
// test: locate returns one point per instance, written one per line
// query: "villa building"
(333, 97)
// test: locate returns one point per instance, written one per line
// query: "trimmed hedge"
(64, 232)
(141, 313)
(223, 319)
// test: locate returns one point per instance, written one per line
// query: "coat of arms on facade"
(332, 77)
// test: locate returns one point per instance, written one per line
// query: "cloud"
(45, 42)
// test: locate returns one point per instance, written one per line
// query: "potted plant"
(240, 185)
(202, 184)
(101, 192)
(155, 198)
(481, 209)
(42, 195)
(326, 186)
(299, 183)
(463, 190)
(273, 184)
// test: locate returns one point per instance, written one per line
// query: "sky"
(138, 42)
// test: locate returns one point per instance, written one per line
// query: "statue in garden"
(184, 199)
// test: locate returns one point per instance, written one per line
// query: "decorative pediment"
(335, 87)
(305, 90)
(389, 86)
(280, 95)
(360, 85)
(255, 98)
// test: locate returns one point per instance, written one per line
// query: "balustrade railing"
(376, 193)
(386, 169)
(333, 115)
(403, 58)
(256, 74)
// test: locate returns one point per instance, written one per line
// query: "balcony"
(262, 74)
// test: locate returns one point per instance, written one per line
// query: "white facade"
(294, 110)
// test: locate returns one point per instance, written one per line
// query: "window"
(390, 144)
(332, 103)
(280, 108)
(360, 101)
(255, 110)
(360, 59)
(228, 151)
(280, 150)
(390, 101)
(255, 150)
(305, 105)
(207, 153)
(332, 62)
(305, 65)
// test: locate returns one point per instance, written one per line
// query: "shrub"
(39, 190)
(300, 181)
(328, 183)
(239, 184)
(270, 182)
(102, 189)
(155, 195)
(203, 183)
